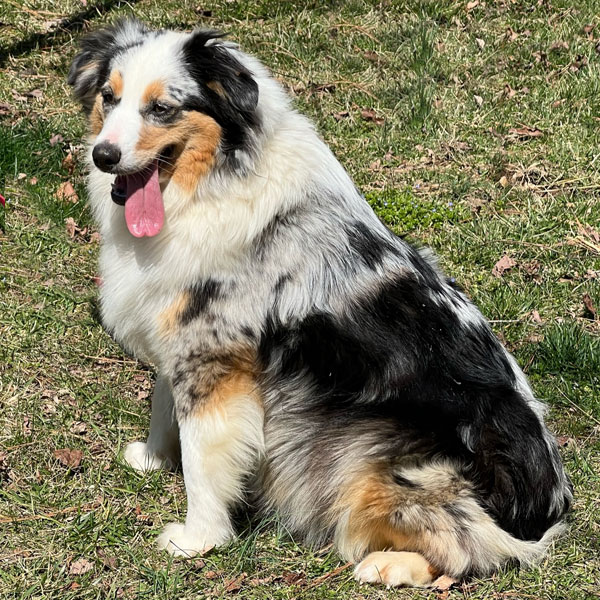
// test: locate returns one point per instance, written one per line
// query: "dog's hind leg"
(429, 520)
(162, 447)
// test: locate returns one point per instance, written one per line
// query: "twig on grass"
(322, 578)
(50, 515)
(587, 414)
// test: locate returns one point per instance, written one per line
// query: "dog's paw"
(395, 568)
(178, 541)
(137, 456)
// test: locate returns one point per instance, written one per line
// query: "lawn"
(472, 127)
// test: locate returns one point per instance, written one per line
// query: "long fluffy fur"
(305, 350)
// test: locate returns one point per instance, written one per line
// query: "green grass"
(443, 163)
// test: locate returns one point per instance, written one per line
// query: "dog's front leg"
(221, 434)
(162, 447)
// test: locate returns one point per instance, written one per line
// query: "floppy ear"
(221, 75)
(90, 67)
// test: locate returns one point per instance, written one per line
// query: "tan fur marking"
(154, 91)
(217, 88)
(196, 137)
(372, 498)
(235, 384)
(116, 83)
(169, 318)
(97, 116)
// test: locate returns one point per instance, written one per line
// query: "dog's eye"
(108, 97)
(159, 109)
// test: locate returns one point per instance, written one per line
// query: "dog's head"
(164, 108)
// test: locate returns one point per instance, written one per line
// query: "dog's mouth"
(141, 195)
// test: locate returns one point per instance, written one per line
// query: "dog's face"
(164, 107)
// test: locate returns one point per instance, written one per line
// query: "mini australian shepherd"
(307, 357)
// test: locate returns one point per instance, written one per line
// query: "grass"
(471, 128)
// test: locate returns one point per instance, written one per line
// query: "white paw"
(137, 456)
(394, 569)
(178, 541)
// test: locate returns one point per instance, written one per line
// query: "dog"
(306, 356)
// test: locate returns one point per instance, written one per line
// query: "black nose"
(106, 156)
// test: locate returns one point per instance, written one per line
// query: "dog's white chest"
(131, 299)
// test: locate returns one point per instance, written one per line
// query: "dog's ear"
(217, 71)
(90, 67)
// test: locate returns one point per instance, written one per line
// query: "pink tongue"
(144, 209)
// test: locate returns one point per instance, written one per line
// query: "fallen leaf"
(525, 132)
(478, 100)
(69, 458)
(35, 93)
(5, 109)
(79, 428)
(344, 114)
(443, 584)
(95, 237)
(56, 139)
(33, 181)
(510, 34)
(504, 264)
(368, 114)
(588, 29)
(590, 309)
(68, 163)
(371, 55)
(70, 226)
(480, 43)
(557, 103)
(293, 578)
(535, 316)
(21, 176)
(471, 5)
(66, 192)
(565, 440)
(503, 181)
(559, 45)
(109, 561)
(212, 574)
(264, 580)
(508, 91)
(234, 585)
(80, 566)
(588, 231)
(578, 64)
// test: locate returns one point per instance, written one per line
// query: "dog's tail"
(432, 510)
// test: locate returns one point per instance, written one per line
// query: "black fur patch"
(202, 294)
(370, 247)
(235, 110)
(405, 482)
(401, 356)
